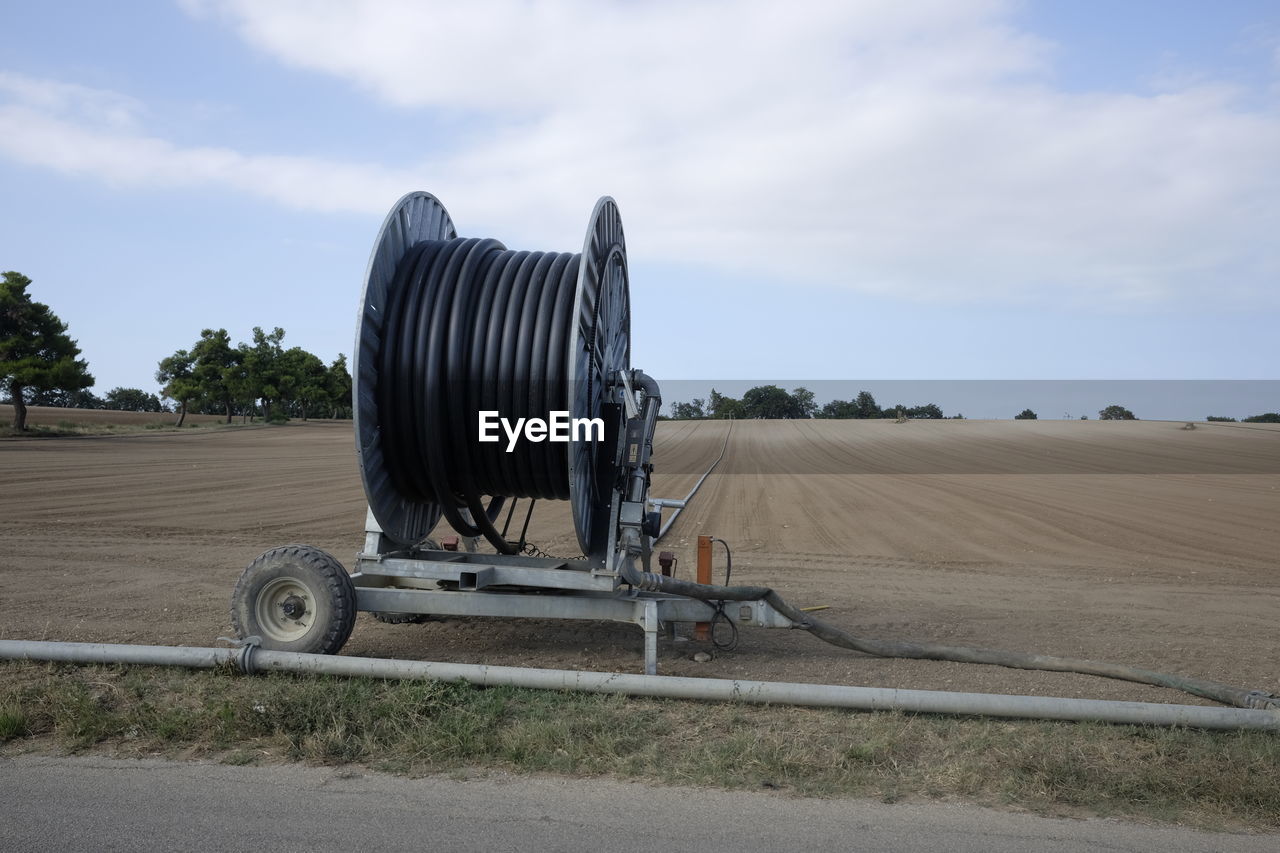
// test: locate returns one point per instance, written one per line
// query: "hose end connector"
(1262, 700)
(649, 582)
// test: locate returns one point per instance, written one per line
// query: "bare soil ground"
(1139, 542)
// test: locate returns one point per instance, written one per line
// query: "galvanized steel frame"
(461, 583)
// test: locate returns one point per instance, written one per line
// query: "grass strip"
(65, 428)
(1207, 779)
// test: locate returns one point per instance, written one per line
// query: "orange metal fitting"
(702, 630)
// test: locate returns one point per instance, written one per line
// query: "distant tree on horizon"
(688, 411)
(862, 406)
(802, 400)
(771, 402)
(839, 410)
(81, 399)
(866, 405)
(929, 411)
(1026, 415)
(1116, 413)
(132, 400)
(723, 406)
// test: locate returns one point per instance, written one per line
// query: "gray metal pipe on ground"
(713, 689)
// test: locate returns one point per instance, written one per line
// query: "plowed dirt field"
(1138, 542)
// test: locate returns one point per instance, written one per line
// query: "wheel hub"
(285, 609)
(294, 607)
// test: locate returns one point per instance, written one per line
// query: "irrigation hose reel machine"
(451, 327)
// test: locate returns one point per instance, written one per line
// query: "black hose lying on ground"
(1237, 696)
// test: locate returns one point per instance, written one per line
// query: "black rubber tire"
(332, 606)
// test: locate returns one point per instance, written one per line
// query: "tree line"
(117, 399)
(774, 402)
(40, 365)
(1114, 412)
(259, 376)
(1265, 418)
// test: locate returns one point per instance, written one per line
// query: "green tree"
(132, 400)
(338, 385)
(866, 405)
(1267, 418)
(214, 369)
(240, 385)
(305, 380)
(264, 377)
(1116, 413)
(842, 409)
(804, 405)
(929, 411)
(176, 375)
(714, 403)
(36, 354)
(771, 401)
(768, 401)
(688, 411)
(80, 399)
(722, 406)
(1026, 415)
(862, 406)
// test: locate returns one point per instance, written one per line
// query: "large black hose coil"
(453, 326)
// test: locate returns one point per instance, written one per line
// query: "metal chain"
(531, 550)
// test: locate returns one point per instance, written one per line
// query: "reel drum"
(564, 359)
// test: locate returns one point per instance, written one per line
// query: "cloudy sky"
(935, 189)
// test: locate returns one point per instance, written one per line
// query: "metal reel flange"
(600, 346)
(416, 217)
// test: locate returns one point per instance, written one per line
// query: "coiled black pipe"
(471, 327)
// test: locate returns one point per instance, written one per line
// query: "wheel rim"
(285, 610)
(416, 217)
(600, 347)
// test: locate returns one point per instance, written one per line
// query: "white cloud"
(129, 159)
(97, 133)
(94, 106)
(917, 149)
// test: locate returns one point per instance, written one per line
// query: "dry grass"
(1208, 779)
(50, 421)
(67, 427)
(53, 415)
